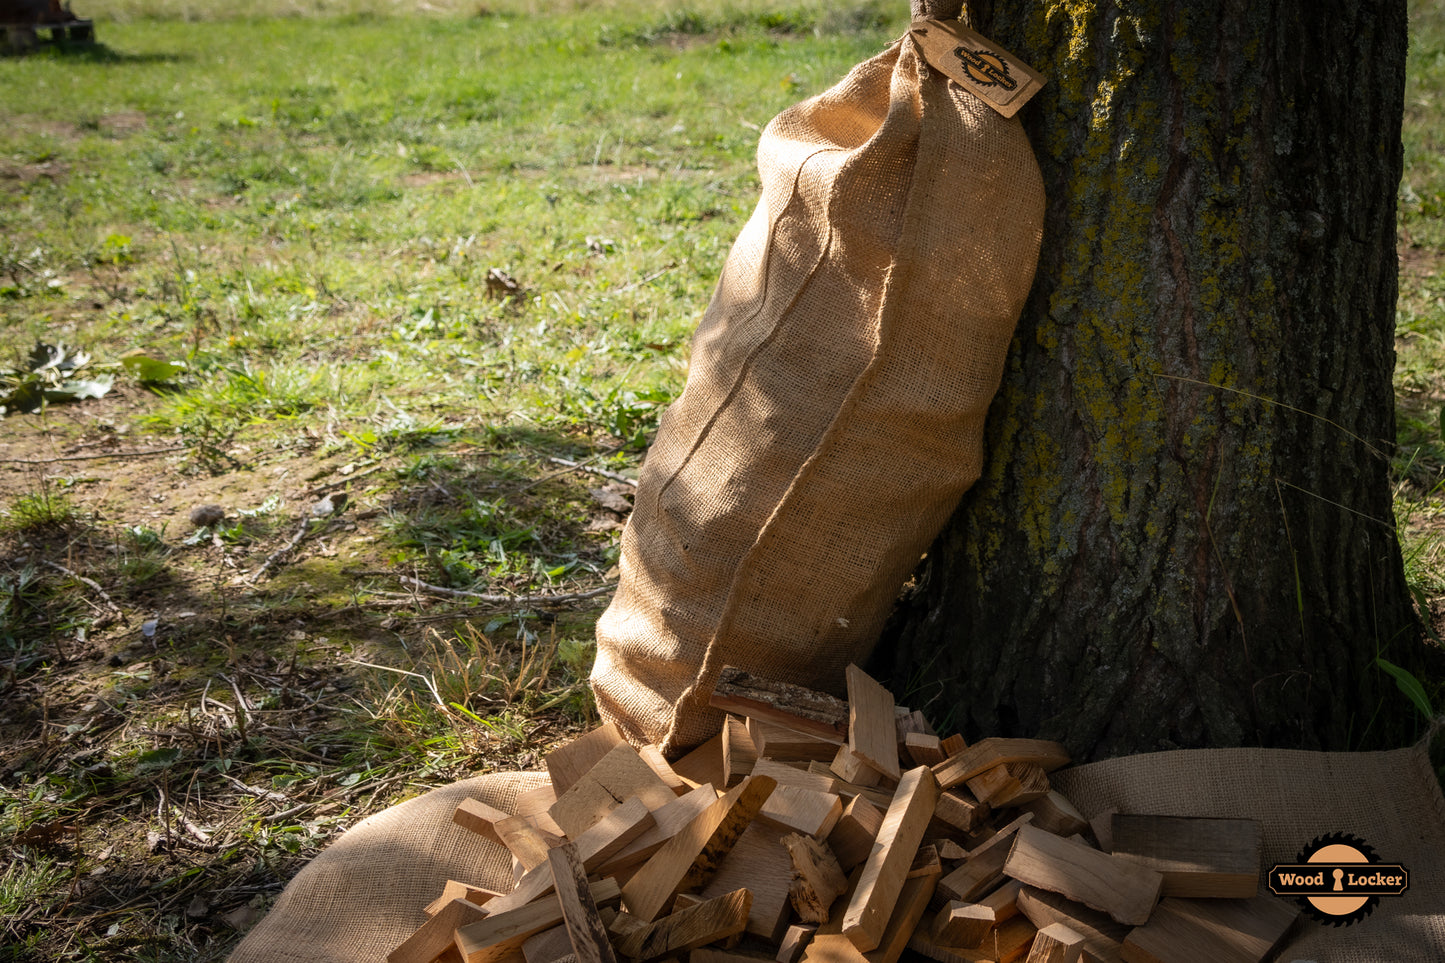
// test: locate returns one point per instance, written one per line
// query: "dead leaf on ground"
(610, 500)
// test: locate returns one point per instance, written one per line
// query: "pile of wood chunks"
(798, 835)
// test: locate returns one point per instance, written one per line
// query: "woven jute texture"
(364, 894)
(835, 400)
(1391, 800)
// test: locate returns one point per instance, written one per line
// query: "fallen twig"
(506, 599)
(93, 585)
(578, 466)
(104, 454)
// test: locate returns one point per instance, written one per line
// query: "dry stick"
(504, 599)
(106, 454)
(110, 602)
(578, 466)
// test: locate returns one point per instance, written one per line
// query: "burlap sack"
(834, 406)
(364, 895)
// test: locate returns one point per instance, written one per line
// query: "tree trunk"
(1184, 533)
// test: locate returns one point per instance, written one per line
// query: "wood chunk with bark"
(818, 880)
(689, 859)
(872, 724)
(1217, 858)
(886, 868)
(780, 703)
(1126, 891)
(788, 745)
(707, 922)
(852, 838)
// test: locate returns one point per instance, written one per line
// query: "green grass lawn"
(417, 257)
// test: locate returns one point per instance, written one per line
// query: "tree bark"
(1184, 533)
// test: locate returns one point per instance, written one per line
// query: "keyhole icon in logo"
(1339, 875)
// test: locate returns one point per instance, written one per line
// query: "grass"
(415, 257)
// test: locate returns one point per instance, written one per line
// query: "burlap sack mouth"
(834, 407)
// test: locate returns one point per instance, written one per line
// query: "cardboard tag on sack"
(977, 64)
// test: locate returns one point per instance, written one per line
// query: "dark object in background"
(20, 19)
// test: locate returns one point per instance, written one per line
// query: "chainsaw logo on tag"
(1338, 879)
(985, 68)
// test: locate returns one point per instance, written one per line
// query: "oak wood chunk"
(535, 801)
(788, 745)
(712, 954)
(478, 817)
(708, 921)
(529, 844)
(793, 706)
(982, 870)
(1056, 943)
(1056, 814)
(433, 937)
(579, 912)
(1198, 857)
(690, 858)
(852, 838)
(1010, 784)
(498, 935)
(952, 745)
(850, 767)
(1126, 891)
(926, 862)
(872, 723)
(913, 721)
(455, 890)
(963, 924)
(924, 749)
(959, 810)
(739, 753)
(652, 755)
(1102, 936)
(1007, 943)
(571, 761)
(760, 864)
(818, 880)
(987, 753)
(829, 945)
(548, 946)
(670, 820)
(1217, 930)
(619, 776)
(1103, 826)
(794, 942)
(803, 811)
(886, 868)
(703, 765)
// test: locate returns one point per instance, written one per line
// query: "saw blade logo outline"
(1338, 863)
(985, 68)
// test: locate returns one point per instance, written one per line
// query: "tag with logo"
(974, 62)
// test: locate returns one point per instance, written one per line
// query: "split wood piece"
(831, 946)
(1056, 814)
(570, 762)
(597, 845)
(455, 890)
(579, 911)
(500, 935)
(759, 863)
(1010, 784)
(670, 820)
(963, 924)
(780, 703)
(478, 817)
(959, 810)
(1103, 826)
(886, 868)
(1056, 943)
(789, 745)
(529, 844)
(850, 767)
(982, 871)
(913, 721)
(1126, 891)
(786, 775)
(1213, 930)
(802, 811)
(949, 849)
(548, 946)
(952, 745)
(689, 859)
(619, 776)
(852, 838)
(925, 862)
(987, 753)
(1199, 857)
(739, 753)
(707, 922)
(923, 749)
(535, 801)
(433, 937)
(541, 822)
(1102, 936)
(880, 795)
(711, 954)
(872, 724)
(652, 755)
(1006, 943)
(623, 925)
(703, 765)
(818, 880)
(794, 942)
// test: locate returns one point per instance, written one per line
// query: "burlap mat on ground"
(364, 895)
(1391, 800)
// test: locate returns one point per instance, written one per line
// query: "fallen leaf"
(610, 500)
